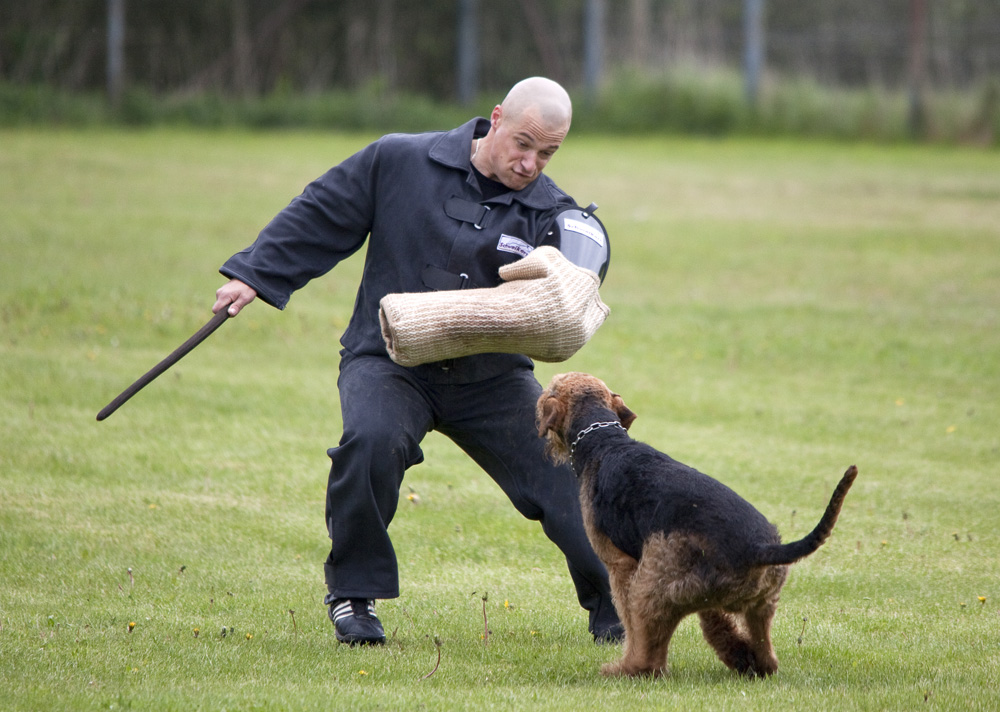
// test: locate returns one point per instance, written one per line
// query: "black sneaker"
(354, 621)
(613, 635)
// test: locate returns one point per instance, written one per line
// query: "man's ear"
(622, 411)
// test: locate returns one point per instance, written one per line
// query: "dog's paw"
(622, 669)
(611, 669)
(749, 666)
(764, 668)
(741, 659)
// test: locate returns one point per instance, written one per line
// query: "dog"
(674, 540)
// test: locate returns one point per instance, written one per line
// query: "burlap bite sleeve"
(547, 308)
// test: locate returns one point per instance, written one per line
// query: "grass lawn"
(779, 311)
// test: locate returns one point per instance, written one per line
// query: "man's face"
(522, 147)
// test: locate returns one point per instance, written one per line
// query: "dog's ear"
(622, 411)
(550, 414)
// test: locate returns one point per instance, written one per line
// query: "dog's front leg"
(620, 573)
(620, 566)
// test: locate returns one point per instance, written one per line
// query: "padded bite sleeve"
(547, 309)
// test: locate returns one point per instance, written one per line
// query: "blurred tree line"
(258, 47)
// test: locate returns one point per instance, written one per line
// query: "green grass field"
(779, 312)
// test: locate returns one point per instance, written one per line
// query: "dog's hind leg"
(732, 647)
(646, 644)
(652, 611)
(758, 621)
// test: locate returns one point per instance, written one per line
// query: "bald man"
(441, 210)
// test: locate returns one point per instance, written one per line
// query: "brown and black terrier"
(674, 540)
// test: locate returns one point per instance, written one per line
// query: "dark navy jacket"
(415, 198)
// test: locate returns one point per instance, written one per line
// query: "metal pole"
(116, 54)
(918, 66)
(753, 49)
(593, 43)
(468, 50)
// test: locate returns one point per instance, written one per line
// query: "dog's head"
(564, 395)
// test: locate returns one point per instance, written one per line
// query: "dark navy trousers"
(387, 411)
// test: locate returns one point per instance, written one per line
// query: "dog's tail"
(779, 554)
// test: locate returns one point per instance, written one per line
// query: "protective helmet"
(582, 239)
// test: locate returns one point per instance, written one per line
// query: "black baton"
(203, 333)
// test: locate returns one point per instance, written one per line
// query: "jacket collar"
(452, 150)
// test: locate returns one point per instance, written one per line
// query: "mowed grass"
(779, 311)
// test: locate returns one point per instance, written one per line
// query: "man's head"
(526, 129)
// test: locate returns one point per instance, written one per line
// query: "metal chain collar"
(589, 429)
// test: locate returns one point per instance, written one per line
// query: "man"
(442, 210)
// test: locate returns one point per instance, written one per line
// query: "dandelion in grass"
(249, 636)
(362, 673)
(197, 632)
(131, 626)
(982, 600)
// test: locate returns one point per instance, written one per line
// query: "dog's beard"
(556, 448)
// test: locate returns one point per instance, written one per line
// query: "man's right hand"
(233, 295)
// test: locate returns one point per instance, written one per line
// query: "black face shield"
(583, 239)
